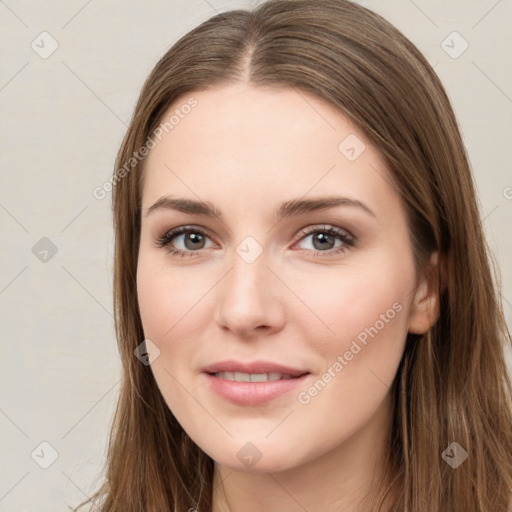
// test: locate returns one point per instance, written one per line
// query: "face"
(278, 321)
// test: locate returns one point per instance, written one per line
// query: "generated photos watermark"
(361, 341)
(137, 156)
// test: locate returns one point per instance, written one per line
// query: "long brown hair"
(452, 384)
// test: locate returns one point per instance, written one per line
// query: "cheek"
(367, 311)
(175, 309)
(167, 299)
(361, 312)
(166, 304)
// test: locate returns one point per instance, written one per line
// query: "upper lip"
(253, 367)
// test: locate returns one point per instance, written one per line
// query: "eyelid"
(325, 228)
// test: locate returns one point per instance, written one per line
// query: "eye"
(328, 239)
(192, 240)
(325, 241)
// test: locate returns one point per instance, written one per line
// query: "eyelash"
(347, 239)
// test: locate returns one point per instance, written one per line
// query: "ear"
(425, 307)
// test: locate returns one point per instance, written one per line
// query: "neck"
(349, 478)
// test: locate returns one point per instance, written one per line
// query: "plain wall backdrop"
(70, 74)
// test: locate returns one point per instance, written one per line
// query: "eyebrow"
(287, 209)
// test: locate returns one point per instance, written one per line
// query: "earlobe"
(425, 307)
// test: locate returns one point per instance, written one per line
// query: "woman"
(305, 307)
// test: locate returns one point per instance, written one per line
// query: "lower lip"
(252, 393)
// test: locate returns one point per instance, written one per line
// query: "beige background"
(63, 118)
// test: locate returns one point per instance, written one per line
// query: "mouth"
(252, 383)
(253, 377)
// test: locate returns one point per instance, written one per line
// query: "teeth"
(258, 377)
(251, 377)
(242, 377)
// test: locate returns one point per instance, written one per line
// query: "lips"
(252, 383)
(252, 377)
(255, 367)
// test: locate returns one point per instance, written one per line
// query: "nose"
(250, 299)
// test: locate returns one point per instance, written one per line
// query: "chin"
(258, 456)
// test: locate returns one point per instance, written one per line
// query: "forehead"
(245, 145)
(256, 120)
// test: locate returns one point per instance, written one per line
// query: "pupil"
(194, 238)
(322, 237)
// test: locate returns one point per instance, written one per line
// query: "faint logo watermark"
(147, 352)
(249, 455)
(249, 249)
(44, 455)
(454, 45)
(454, 455)
(351, 147)
(44, 250)
(44, 45)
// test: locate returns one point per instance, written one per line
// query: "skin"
(246, 150)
